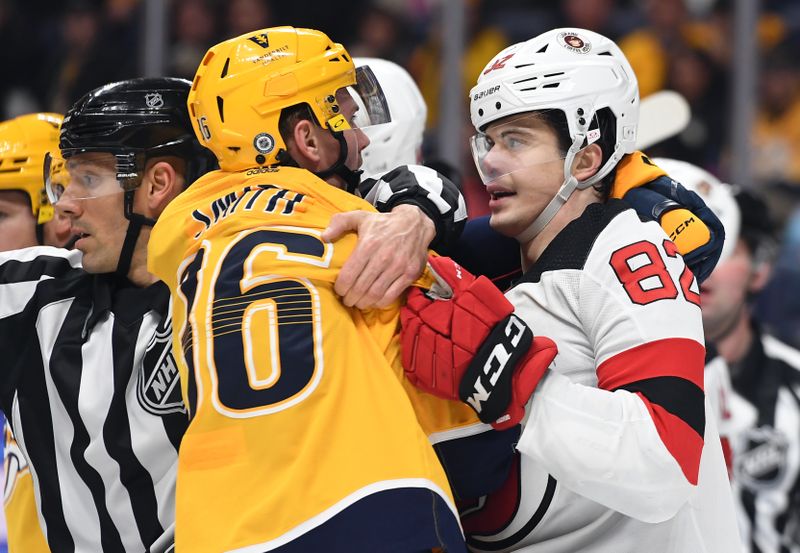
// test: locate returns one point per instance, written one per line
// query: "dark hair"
(758, 229)
(292, 115)
(289, 118)
(605, 121)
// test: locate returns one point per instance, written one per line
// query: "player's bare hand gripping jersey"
(302, 437)
(611, 452)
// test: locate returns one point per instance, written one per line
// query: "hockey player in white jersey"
(618, 451)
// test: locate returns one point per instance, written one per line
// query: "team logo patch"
(264, 143)
(154, 100)
(159, 389)
(762, 464)
(261, 39)
(574, 42)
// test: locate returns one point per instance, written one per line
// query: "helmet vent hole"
(208, 57)
(480, 112)
(606, 53)
(337, 58)
(345, 58)
(220, 108)
(225, 68)
(526, 80)
(542, 49)
(551, 85)
(20, 159)
(553, 74)
(497, 105)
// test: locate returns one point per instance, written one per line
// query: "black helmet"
(136, 120)
(758, 228)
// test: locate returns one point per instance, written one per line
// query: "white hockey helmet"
(576, 71)
(718, 196)
(400, 141)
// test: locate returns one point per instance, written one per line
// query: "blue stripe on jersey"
(478, 465)
(483, 251)
(403, 520)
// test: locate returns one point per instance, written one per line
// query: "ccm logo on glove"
(503, 348)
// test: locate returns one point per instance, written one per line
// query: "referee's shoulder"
(37, 262)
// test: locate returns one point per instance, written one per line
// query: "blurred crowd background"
(54, 51)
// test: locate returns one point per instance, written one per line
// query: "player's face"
(96, 218)
(17, 224)
(528, 164)
(723, 295)
(355, 138)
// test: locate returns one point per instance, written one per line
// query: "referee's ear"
(162, 182)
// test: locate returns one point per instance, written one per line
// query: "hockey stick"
(662, 115)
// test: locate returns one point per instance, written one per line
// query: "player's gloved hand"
(461, 340)
(688, 221)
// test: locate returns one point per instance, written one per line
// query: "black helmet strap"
(351, 178)
(135, 223)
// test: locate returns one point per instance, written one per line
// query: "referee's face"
(93, 203)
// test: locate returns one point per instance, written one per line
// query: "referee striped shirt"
(91, 389)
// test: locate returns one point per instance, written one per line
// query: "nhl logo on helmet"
(264, 143)
(154, 100)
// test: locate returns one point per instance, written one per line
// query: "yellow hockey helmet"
(244, 83)
(24, 142)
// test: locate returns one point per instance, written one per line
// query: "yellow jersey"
(303, 435)
(22, 518)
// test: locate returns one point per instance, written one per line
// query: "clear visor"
(518, 143)
(82, 176)
(370, 101)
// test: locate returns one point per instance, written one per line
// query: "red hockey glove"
(446, 351)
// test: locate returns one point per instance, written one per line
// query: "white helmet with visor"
(575, 71)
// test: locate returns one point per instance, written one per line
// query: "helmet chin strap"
(351, 178)
(569, 186)
(135, 224)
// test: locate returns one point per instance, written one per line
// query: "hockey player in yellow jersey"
(303, 436)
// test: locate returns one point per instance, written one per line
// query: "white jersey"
(619, 452)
